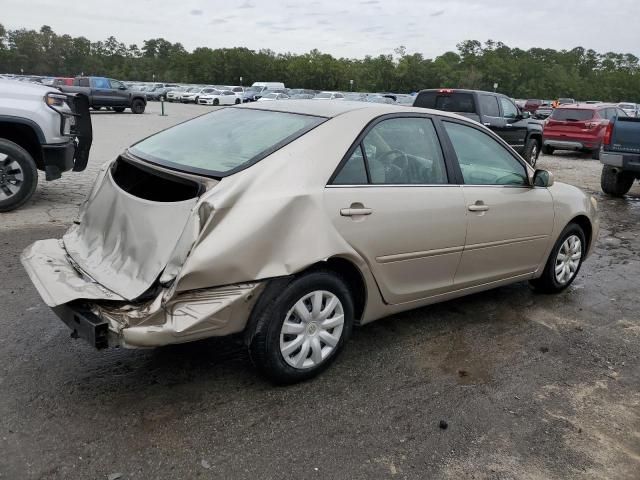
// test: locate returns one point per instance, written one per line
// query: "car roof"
(331, 109)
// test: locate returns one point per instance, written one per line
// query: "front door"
(509, 221)
(514, 128)
(393, 203)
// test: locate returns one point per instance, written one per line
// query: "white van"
(268, 85)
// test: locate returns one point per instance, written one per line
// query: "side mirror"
(525, 115)
(542, 178)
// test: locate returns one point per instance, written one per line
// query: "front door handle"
(352, 212)
(479, 206)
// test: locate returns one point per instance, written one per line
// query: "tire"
(118, 109)
(532, 151)
(547, 150)
(216, 102)
(18, 176)
(237, 101)
(549, 281)
(137, 106)
(276, 353)
(615, 182)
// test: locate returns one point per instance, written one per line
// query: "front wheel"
(18, 176)
(300, 328)
(564, 262)
(615, 182)
(237, 101)
(137, 106)
(532, 151)
(216, 102)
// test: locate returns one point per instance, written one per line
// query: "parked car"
(544, 111)
(267, 86)
(620, 156)
(40, 129)
(495, 111)
(631, 109)
(355, 97)
(329, 96)
(212, 96)
(242, 251)
(106, 92)
(302, 96)
(175, 94)
(269, 97)
(158, 93)
(578, 127)
(566, 101)
(380, 99)
(192, 95)
(532, 105)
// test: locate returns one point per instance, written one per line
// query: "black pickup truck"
(620, 156)
(107, 93)
(493, 110)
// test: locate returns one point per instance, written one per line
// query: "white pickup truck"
(43, 129)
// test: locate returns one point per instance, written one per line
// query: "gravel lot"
(529, 386)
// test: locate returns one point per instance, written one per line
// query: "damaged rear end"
(114, 277)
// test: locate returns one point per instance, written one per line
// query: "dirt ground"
(529, 386)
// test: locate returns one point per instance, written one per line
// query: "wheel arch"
(25, 134)
(583, 222)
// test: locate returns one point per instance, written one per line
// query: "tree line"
(535, 73)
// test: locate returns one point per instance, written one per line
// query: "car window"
(404, 151)
(572, 114)
(353, 172)
(101, 83)
(490, 105)
(449, 102)
(116, 84)
(217, 143)
(84, 82)
(482, 159)
(621, 113)
(509, 110)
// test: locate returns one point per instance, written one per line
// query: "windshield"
(571, 115)
(217, 144)
(209, 90)
(627, 106)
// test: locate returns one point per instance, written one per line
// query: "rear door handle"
(352, 212)
(479, 206)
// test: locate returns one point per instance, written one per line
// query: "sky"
(342, 28)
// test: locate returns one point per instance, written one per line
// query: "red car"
(578, 127)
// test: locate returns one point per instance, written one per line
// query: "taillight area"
(607, 134)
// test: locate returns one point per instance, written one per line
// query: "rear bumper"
(570, 144)
(628, 162)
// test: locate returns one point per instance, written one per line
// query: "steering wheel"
(386, 158)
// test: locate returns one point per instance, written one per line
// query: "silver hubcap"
(11, 177)
(568, 259)
(311, 329)
(534, 154)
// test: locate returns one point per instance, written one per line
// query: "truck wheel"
(532, 151)
(137, 106)
(18, 176)
(615, 182)
(118, 109)
(547, 150)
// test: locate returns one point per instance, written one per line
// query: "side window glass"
(101, 83)
(482, 159)
(353, 172)
(405, 151)
(490, 105)
(509, 109)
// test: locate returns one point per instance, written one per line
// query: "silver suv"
(43, 129)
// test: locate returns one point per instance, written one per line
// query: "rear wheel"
(531, 151)
(18, 176)
(615, 182)
(237, 101)
(564, 262)
(547, 150)
(300, 327)
(137, 106)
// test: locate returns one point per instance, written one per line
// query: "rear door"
(509, 221)
(392, 201)
(119, 93)
(490, 109)
(101, 91)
